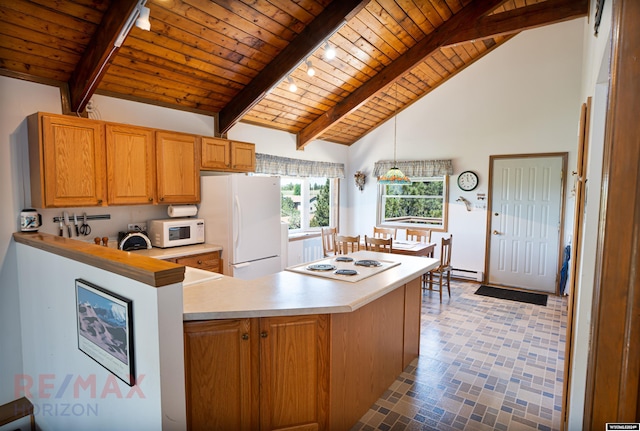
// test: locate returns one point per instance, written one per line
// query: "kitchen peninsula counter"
(288, 293)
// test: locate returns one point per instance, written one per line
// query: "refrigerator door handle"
(241, 265)
(238, 215)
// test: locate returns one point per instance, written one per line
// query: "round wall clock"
(467, 181)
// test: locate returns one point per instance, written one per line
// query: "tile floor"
(485, 364)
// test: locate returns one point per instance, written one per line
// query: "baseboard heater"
(467, 274)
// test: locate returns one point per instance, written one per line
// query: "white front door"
(525, 211)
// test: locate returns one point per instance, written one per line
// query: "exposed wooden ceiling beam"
(94, 62)
(323, 26)
(525, 18)
(468, 24)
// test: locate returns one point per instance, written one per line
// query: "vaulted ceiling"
(232, 59)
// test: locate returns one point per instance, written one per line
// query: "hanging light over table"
(394, 176)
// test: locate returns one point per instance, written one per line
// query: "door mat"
(513, 295)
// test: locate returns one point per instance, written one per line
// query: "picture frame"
(105, 329)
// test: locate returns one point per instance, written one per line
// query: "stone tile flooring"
(485, 364)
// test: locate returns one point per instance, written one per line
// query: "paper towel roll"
(182, 210)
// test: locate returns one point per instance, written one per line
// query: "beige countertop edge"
(173, 252)
(288, 293)
(154, 272)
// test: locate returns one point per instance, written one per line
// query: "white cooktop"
(334, 264)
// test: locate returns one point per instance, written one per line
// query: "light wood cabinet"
(130, 165)
(268, 373)
(217, 154)
(67, 161)
(209, 261)
(82, 162)
(221, 367)
(177, 168)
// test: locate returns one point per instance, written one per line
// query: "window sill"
(301, 236)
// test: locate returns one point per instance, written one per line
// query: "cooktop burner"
(344, 259)
(321, 267)
(367, 263)
(346, 272)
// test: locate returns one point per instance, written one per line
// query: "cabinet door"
(130, 165)
(177, 166)
(215, 153)
(243, 157)
(73, 162)
(220, 375)
(294, 373)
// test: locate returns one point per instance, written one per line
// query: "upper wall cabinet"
(219, 154)
(67, 159)
(130, 165)
(82, 162)
(177, 162)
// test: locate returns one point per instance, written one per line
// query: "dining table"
(413, 248)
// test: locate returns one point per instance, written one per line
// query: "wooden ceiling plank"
(49, 16)
(93, 64)
(331, 18)
(551, 10)
(91, 14)
(401, 17)
(278, 16)
(388, 27)
(466, 17)
(391, 49)
(21, 46)
(139, 94)
(31, 71)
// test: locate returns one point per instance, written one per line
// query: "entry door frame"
(487, 255)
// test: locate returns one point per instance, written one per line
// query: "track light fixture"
(140, 17)
(310, 70)
(329, 51)
(292, 85)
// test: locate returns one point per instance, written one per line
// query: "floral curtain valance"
(284, 166)
(416, 168)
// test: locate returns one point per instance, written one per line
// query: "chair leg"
(449, 282)
(440, 285)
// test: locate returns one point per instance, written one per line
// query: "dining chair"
(378, 244)
(328, 241)
(419, 235)
(384, 232)
(347, 244)
(444, 268)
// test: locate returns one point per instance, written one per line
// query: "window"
(423, 203)
(308, 203)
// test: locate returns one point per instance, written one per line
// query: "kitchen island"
(295, 351)
(285, 351)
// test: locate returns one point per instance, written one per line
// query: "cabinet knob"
(100, 201)
(245, 336)
(161, 199)
(150, 199)
(495, 232)
(263, 334)
(199, 262)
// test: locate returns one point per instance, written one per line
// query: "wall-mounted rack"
(81, 217)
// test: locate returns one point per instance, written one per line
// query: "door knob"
(495, 232)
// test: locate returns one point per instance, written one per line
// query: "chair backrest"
(328, 241)
(378, 244)
(384, 232)
(419, 235)
(445, 252)
(347, 244)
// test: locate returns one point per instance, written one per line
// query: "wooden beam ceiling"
(94, 62)
(470, 23)
(323, 26)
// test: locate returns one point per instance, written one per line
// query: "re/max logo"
(45, 386)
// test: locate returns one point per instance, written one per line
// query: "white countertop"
(288, 293)
(173, 252)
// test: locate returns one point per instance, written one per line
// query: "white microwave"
(174, 232)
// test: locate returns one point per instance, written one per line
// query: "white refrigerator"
(242, 215)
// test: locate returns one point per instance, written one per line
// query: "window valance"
(284, 166)
(416, 168)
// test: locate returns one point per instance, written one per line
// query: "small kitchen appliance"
(175, 232)
(30, 220)
(133, 240)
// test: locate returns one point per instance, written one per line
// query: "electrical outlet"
(138, 227)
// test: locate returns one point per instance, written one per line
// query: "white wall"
(53, 364)
(524, 97)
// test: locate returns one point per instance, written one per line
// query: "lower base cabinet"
(304, 373)
(267, 373)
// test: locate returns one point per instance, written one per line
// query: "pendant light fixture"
(394, 176)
